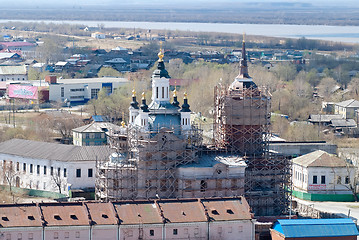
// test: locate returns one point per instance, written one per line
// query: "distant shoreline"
(347, 34)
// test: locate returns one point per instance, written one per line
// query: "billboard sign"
(24, 92)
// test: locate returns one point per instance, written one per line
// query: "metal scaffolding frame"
(242, 126)
(146, 164)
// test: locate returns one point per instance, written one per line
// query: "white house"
(50, 166)
(347, 108)
(322, 173)
(98, 35)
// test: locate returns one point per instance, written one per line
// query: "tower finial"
(175, 91)
(185, 95)
(160, 54)
(133, 92)
(243, 71)
(143, 95)
(244, 36)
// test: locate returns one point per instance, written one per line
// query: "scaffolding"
(242, 126)
(145, 163)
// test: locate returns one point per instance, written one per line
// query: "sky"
(47, 3)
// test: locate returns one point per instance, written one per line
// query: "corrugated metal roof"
(54, 151)
(99, 118)
(323, 117)
(349, 103)
(319, 158)
(12, 70)
(300, 228)
(343, 123)
(96, 127)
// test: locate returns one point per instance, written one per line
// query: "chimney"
(51, 79)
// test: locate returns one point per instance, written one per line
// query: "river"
(349, 34)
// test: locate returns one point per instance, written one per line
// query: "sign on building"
(24, 92)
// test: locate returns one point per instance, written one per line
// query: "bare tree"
(10, 177)
(57, 180)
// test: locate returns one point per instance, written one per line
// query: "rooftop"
(96, 127)
(13, 69)
(125, 212)
(211, 160)
(352, 103)
(308, 228)
(54, 151)
(319, 159)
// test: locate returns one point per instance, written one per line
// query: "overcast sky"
(186, 3)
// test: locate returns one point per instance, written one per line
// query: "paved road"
(342, 208)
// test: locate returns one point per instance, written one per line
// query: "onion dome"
(161, 70)
(185, 105)
(144, 106)
(175, 102)
(134, 103)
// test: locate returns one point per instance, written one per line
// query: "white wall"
(302, 179)
(46, 182)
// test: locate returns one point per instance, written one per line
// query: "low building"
(312, 229)
(320, 176)
(50, 167)
(347, 108)
(93, 134)
(25, 48)
(15, 73)
(82, 90)
(323, 119)
(98, 35)
(212, 218)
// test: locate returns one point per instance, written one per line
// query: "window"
(163, 92)
(62, 92)
(315, 180)
(67, 235)
(31, 236)
(156, 92)
(78, 172)
(175, 231)
(87, 135)
(24, 167)
(219, 230)
(347, 180)
(65, 172)
(240, 229)
(185, 231)
(56, 235)
(196, 231)
(94, 92)
(97, 135)
(339, 180)
(45, 170)
(38, 169)
(8, 236)
(31, 168)
(203, 185)
(44, 186)
(230, 230)
(322, 180)
(77, 235)
(90, 172)
(59, 172)
(19, 236)
(152, 232)
(52, 171)
(17, 166)
(130, 233)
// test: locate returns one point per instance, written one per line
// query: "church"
(160, 153)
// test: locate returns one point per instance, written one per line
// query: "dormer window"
(73, 217)
(104, 216)
(57, 217)
(31, 218)
(229, 211)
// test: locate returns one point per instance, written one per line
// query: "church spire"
(243, 71)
